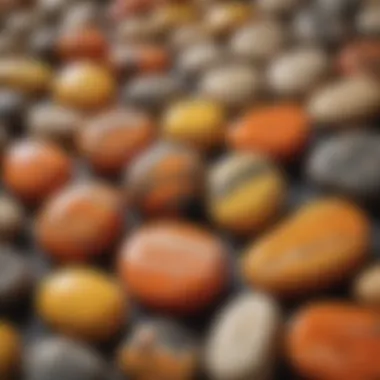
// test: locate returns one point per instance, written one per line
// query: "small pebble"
(234, 85)
(80, 222)
(10, 350)
(243, 341)
(63, 359)
(348, 164)
(113, 139)
(333, 341)
(34, 170)
(174, 267)
(96, 298)
(280, 131)
(16, 278)
(367, 286)
(196, 122)
(159, 349)
(246, 191)
(321, 244)
(345, 101)
(12, 218)
(165, 180)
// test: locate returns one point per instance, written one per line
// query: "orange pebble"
(335, 341)
(33, 170)
(88, 43)
(111, 140)
(174, 267)
(80, 222)
(279, 131)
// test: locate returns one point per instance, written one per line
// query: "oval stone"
(335, 341)
(367, 286)
(346, 101)
(323, 243)
(243, 339)
(348, 164)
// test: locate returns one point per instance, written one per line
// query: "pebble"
(159, 348)
(165, 180)
(12, 218)
(200, 57)
(152, 91)
(111, 140)
(368, 20)
(333, 341)
(10, 350)
(63, 359)
(169, 16)
(82, 43)
(298, 72)
(12, 106)
(321, 244)
(348, 164)
(246, 192)
(243, 341)
(16, 278)
(35, 170)
(280, 131)
(173, 266)
(259, 42)
(25, 74)
(54, 123)
(223, 18)
(187, 35)
(366, 287)
(74, 86)
(196, 122)
(345, 101)
(362, 56)
(234, 85)
(81, 302)
(80, 222)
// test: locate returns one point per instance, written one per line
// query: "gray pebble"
(348, 164)
(12, 218)
(152, 90)
(348, 100)
(260, 41)
(63, 359)
(53, 122)
(200, 57)
(16, 279)
(234, 85)
(243, 340)
(298, 72)
(368, 20)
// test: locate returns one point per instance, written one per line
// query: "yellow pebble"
(170, 16)
(24, 74)
(83, 303)
(10, 350)
(196, 122)
(85, 86)
(245, 193)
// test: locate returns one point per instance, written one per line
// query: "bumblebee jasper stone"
(245, 192)
(244, 339)
(348, 164)
(173, 266)
(322, 243)
(195, 122)
(97, 299)
(63, 359)
(10, 350)
(334, 341)
(165, 180)
(159, 349)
